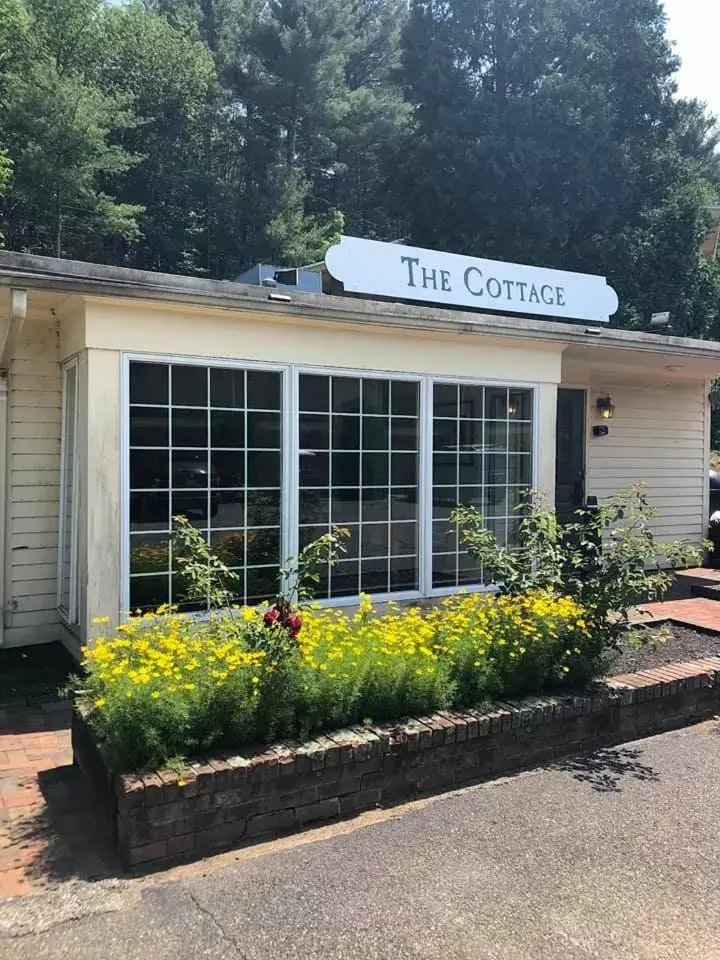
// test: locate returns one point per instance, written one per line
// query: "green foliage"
(171, 81)
(6, 169)
(166, 686)
(249, 131)
(58, 127)
(300, 576)
(14, 30)
(296, 238)
(208, 579)
(648, 637)
(608, 561)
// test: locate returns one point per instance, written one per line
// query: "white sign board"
(411, 273)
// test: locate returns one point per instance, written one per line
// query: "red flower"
(282, 615)
(272, 616)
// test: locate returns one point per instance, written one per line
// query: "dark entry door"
(570, 454)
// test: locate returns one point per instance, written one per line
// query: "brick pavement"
(48, 831)
(699, 573)
(695, 612)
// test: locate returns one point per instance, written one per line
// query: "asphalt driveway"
(612, 857)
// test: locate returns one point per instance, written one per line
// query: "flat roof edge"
(101, 280)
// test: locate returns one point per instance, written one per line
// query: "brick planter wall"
(259, 794)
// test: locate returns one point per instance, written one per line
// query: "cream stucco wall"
(151, 328)
(101, 514)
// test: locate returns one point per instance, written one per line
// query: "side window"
(68, 541)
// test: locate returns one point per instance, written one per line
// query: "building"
(265, 416)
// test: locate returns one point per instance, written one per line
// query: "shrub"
(608, 560)
(165, 685)
(513, 645)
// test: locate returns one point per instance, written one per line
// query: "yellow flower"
(100, 702)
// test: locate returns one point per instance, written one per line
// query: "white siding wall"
(658, 435)
(34, 402)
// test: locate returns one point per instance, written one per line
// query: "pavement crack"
(224, 935)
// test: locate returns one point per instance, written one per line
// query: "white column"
(101, 473)
(546, 438)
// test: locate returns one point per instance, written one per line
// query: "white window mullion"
(425, 497)
(290, 493)
(536, 439)
(125, 488)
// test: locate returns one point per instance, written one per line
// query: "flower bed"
(254, 794)
(165, 687)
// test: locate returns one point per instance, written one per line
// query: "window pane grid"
(218, 462)
(205, 443)
(481, 456)
(359, 443)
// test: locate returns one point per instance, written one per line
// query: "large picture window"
(358, 441)
(205, 442)
(263, 461)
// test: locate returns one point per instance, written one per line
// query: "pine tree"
(171, 82)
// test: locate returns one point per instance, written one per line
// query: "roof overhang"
(582, 342)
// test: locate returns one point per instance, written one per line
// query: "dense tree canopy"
(200, 136)
(546, 132)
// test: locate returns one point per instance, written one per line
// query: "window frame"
(428, 426)
(319, 371)
(71, 614)
(290, 458)
(206, 362)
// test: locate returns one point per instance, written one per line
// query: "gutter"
(98, 280)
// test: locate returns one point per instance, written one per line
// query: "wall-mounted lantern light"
(606, 408)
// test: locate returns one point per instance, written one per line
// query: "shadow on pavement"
(64, 839)
(604, 770)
